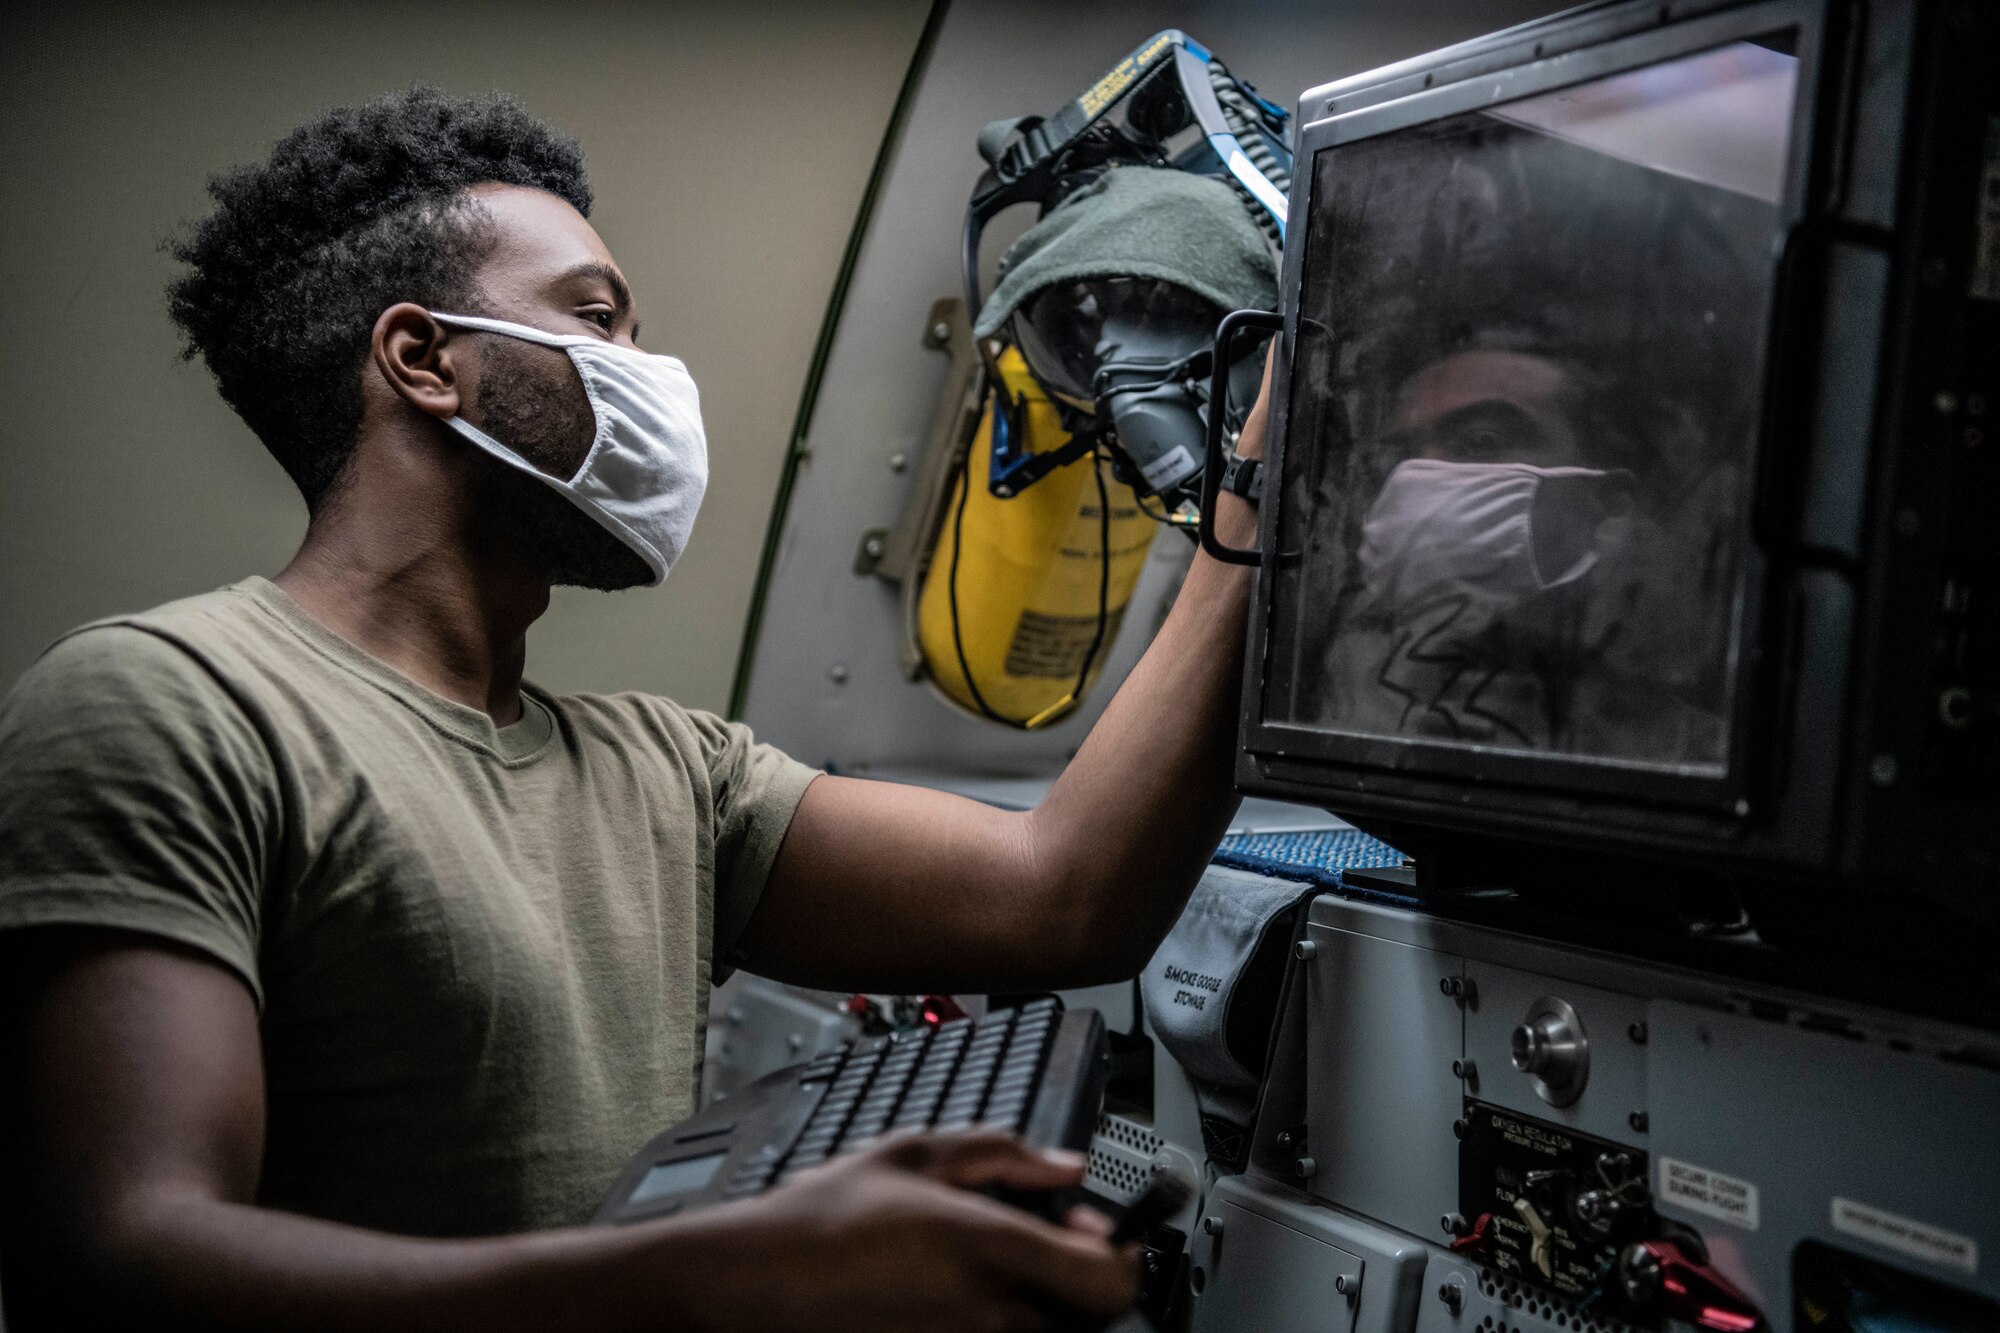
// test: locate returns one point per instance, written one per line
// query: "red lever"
(1661, 1271)
(940, 1009)
(1475, 1236)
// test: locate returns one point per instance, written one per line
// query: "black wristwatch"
(1245, 477)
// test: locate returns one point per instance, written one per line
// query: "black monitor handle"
(1218, 401)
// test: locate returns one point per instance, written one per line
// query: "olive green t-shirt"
(481, 954)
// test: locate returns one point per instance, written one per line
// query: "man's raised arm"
(882, 886)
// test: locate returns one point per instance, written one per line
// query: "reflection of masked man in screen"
(1478, 605)
(1532, 372)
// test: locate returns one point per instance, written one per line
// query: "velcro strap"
(1244, 477)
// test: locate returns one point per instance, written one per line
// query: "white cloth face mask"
(1499, 530)
(647, 467)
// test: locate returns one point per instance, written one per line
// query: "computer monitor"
(1633, 501)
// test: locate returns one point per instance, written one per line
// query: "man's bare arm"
(129, 1156)
(883, 886)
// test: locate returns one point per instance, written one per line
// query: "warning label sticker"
(1052, 647)
(1906, 1236)
(1709, 1192)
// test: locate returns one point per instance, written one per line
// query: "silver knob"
(1551, 1047)
(1543, 1045)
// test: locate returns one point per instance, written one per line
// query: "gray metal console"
(1765, 1123)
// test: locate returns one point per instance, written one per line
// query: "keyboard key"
(1045, 1005)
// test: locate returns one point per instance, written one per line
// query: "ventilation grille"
(1525, 1309)
(1121, 1158)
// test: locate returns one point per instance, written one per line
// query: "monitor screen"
(1523, 420)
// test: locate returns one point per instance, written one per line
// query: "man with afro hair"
(341, 968)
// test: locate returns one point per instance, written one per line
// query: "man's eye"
(603, 319)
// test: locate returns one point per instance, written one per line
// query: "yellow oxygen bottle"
(1028, 573)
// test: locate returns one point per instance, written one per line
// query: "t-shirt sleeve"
(756, 789)
(135, 794)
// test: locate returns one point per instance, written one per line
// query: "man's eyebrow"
(621, 295)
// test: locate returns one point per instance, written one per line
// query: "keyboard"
(1037, 1071)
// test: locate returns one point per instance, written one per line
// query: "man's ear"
(414, 355)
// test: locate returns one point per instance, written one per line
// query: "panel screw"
(897, 462)
(1638, 1121)
(1637, 1032)
(1304, 950)
(1882, 770)
(794, 1042)
(1212, 1225)
(1306, 1168)
(1458, 1128)
(940, 332)
(874, 546)
(1453, 1224)
(1349, 1287)
(1453, 1296)
(1946, 402)
(1465, 1069)
(837, 673)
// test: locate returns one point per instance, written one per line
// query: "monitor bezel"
(1531, 61)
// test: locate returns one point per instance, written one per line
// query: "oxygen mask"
(1129, 351)
(1112, 300)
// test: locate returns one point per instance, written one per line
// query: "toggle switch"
(1539, 1253)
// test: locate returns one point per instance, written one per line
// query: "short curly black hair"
(354, 211)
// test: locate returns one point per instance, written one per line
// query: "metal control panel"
(1548, 1206)
(1581, 1141)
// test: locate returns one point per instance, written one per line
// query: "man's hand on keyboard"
(897, 1237)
